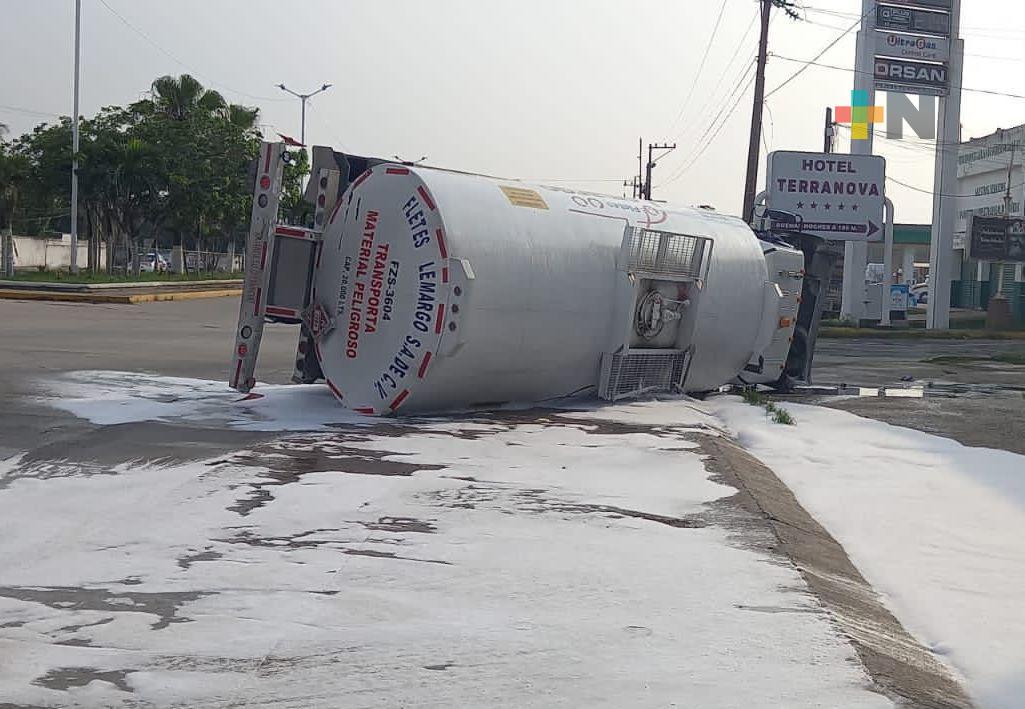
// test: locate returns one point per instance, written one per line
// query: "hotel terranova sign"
(835, 196)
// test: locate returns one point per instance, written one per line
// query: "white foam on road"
(937, 527)
(107, 397)
(516, 565)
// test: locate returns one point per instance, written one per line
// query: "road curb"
(56, 286)
(900, 666)
(850, 333)
(116, 299)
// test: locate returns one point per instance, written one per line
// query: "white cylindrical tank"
(443, 290)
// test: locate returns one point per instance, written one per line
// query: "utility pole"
(303, 98)
(750, 183)
(632, 184)
(999, 265)
(640, 168)
(74, 143)
(651, 164)
(829, 132)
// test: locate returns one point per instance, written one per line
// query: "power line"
(178, 61)
(841, 13)
(737, 53)
(816, 57)
(823, 65)
(701, 66)
(29, 111)
(930, 192)
(739, 95)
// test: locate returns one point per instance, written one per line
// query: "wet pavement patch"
(64, 678)
(188, 560)
(507, 496)
(308, 540)
(164, 605)
(401, 524)
(439, 667)
(288, 460)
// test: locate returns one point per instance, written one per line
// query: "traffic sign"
(914, 47)
(836, 196)
(909, 19)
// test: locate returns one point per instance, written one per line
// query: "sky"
(555, 90)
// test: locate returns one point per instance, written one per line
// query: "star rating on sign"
(800, 205)
(814, 205)
(840, 206)
(826, 205)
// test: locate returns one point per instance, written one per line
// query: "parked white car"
(153, 262)
(919, 294)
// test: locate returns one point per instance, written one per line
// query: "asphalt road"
(41, 342)
(980, 404)
(976, 402)
(191, 338)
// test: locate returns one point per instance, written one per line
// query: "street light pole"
(303, 98)
(74, 144)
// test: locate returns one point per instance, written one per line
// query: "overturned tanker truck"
(420, 289)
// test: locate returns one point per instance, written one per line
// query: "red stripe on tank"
(334, 212)
(441, 243)
(444, 274)
(334, 389)
(441, 318)
(397, 171)
(399, 399)
(426, 197)
(423, 365)
(364, 411)
(361, 178)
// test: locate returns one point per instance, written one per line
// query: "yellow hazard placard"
(523, 197)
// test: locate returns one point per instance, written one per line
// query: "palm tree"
(182, 95)
(240, 116)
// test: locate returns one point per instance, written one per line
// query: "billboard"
(909, 19)
(916, 48)
(982, 194)
(911, 73)
(936, 4)
(991, 152)
(997, 238)
(836, 196)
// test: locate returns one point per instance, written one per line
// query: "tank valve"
(655, 310)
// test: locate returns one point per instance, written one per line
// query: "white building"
(988, 170)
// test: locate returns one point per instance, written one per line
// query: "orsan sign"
(836, 196)
(910, 77)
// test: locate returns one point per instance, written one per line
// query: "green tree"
(14, 173)
(180, 97)
(177, 161)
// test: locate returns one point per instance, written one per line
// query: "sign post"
(852, 304)
(941, 249)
